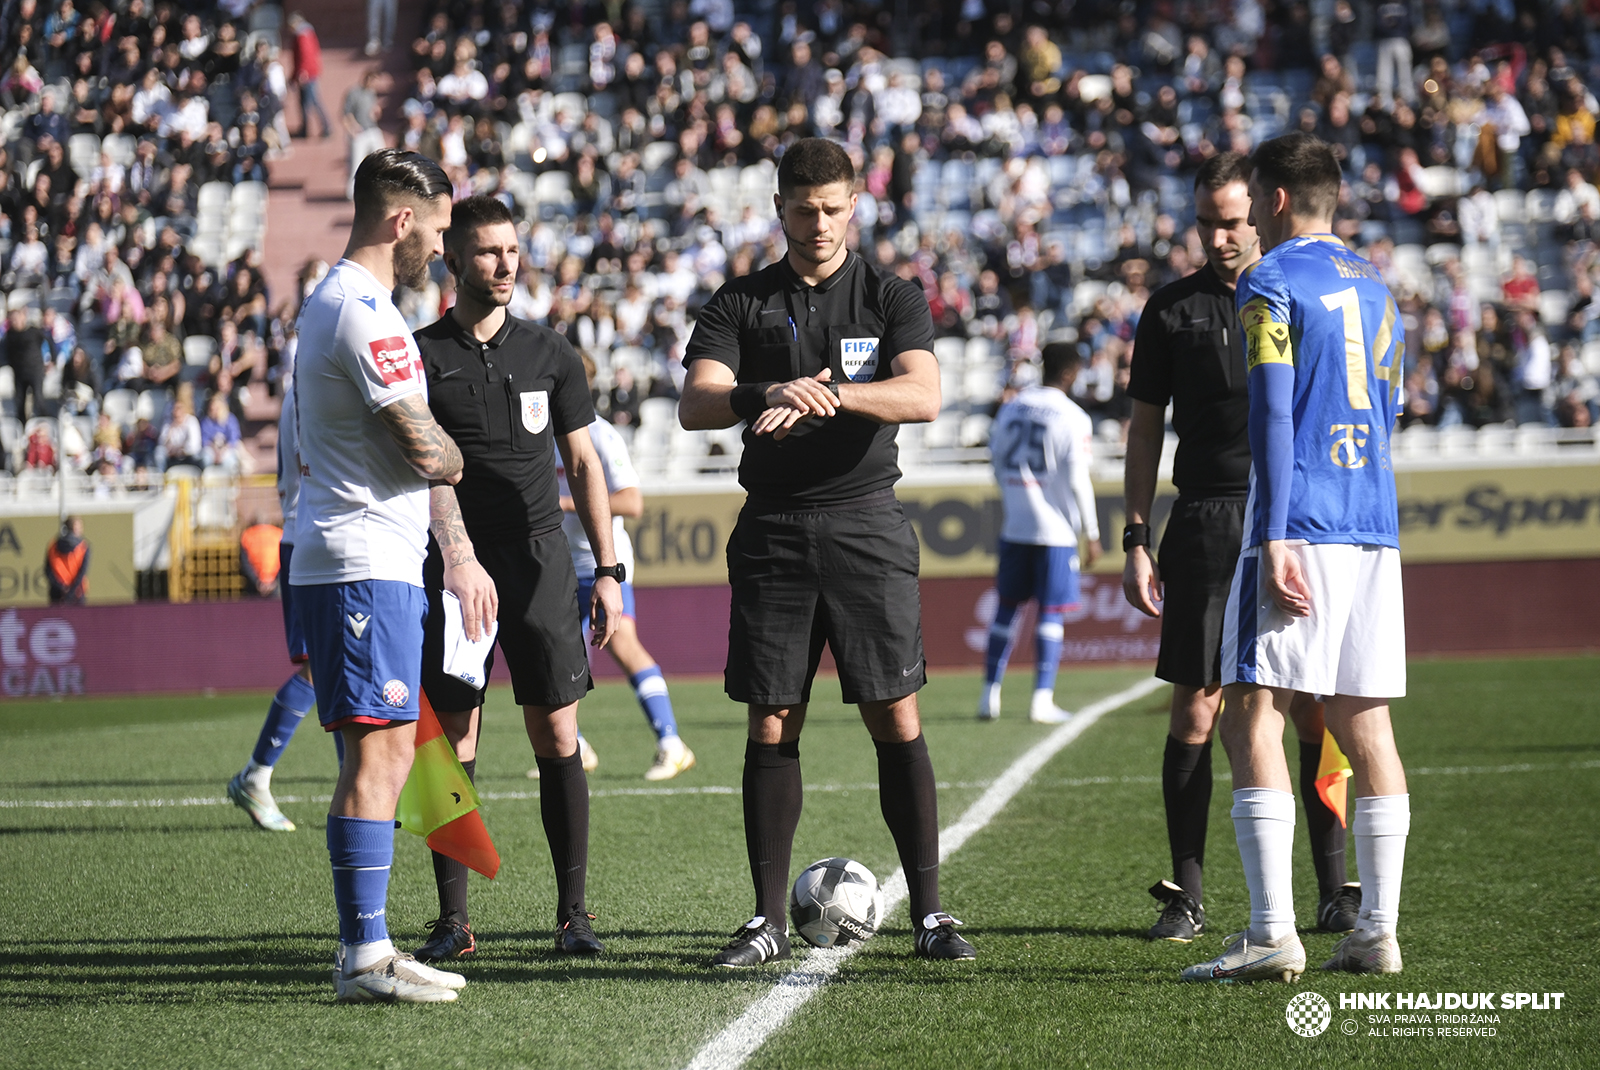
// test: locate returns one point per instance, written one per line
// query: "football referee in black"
(823, 355)
(1189, 351)
(511, 394)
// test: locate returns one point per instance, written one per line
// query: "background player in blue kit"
(1316, 605)
(1040, 447)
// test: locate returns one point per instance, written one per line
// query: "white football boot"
(1366, 952)
(1250, 960)
(672, 758)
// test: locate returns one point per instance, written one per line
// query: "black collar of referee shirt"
(792, 277)
(468, 338)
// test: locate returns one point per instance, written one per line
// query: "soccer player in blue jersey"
(1316, 605)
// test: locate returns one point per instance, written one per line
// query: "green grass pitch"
(178, 935)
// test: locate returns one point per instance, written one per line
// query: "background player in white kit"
(1040, 449)
(251, 787)
(649, 685)
(369, 448)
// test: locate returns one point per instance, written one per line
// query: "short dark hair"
(470, 213)
(1222, 169)
(814, 161)
(1060, 358)
(389, 175)
(1305, 167)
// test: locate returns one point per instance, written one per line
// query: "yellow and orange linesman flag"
(1332, 772)
(439, 802)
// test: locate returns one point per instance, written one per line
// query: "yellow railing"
(204, 539)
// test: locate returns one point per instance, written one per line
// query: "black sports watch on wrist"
(1135, 535)
(618, 571)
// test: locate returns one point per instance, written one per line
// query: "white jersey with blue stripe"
(1324, 346)
(620, 475)
(1039, 445)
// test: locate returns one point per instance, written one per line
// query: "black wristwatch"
(1135, 535)
(618, 571)
(833, 388)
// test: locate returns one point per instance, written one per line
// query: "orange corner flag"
(1332, 772)
(439, 802)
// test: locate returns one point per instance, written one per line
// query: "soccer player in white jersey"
(369, 449)
(1316, 605)
(1039, 446)
(649, 685)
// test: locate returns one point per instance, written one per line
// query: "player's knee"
(1194, 713)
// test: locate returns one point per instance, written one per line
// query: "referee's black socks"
(450, 875)
(772, 801)
(564, 806)
(1186, 790)
(1327, 834)
(910, 805)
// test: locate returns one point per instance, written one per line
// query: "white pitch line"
(487, 796)
(729, 1049)
(717, 789)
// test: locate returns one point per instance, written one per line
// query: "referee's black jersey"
(1189, 350)
(770, 326)
(503, 401)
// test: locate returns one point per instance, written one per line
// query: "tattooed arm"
(424, 444)
(463, 576)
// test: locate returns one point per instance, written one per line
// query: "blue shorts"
(586, 590)
(293, 633)
(1046, 574)
(365, 640)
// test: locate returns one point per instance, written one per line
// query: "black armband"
(748, 400)
(1135, 535)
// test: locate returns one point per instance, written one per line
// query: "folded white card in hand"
(463, 658)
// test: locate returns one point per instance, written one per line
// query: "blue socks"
(361, 851)
(1047, 636)
(994, 661)
(289, 706)
(650, 687)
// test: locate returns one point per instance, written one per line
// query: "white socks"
(1381, 824)
(258, 777)
(990, 702)
(1263, 823)
(358, 957)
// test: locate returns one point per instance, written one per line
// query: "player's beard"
(411, 257)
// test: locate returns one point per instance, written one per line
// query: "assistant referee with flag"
(822, 355)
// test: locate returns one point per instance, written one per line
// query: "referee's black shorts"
(1197, 556)
(847, 578)
(540, 633)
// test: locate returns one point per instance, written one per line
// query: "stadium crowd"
(1027, 163)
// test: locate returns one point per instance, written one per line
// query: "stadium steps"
(307, 213)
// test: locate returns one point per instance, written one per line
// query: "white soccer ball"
(835, 902)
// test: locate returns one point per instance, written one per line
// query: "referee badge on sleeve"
(535, 410)
(858, 357)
